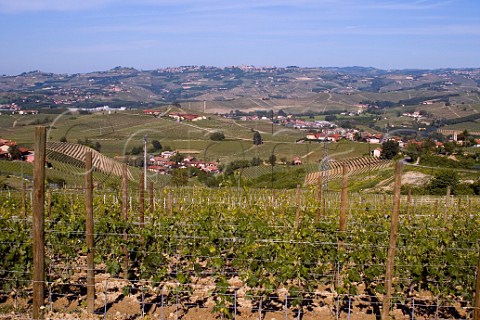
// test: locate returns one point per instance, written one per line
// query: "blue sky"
(70, 36)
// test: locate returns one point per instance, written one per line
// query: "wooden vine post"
(125, 218)
(38, 222)
(141, 206)
(24, 203)
(89, 233)
(447, 203)
(319, 196)
(343, 220)
(297, 206)
(343, 205)
(387, 300)
(170, 203)
(409, 200)
(152, 194)
(476, 302)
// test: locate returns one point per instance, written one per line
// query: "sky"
(77, 36)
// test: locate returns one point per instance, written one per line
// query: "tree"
(449, 147)
(63, 139)
(272, 159)
(156, 145)
(257, 138)
(446, 178)
(177, 158)
(97, 146)
(437, 136)
(180, 177)
(217, 136)
(15, 153)
(136, 150)
(390, 149)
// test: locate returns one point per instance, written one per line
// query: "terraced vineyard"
(74, 154)
(354, 166)
(246, 253)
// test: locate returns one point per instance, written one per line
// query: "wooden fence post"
(152, 194)
(319, 197)
(297, 205)
(141, 205)
(49, 203)
(387, 300)
(343, 204)
(125, 218)
(89, 233)
(476, 302)
(24, 203)
(343, 220)
(409, 199)
(447, 203)
(38, 222)
(170, 203)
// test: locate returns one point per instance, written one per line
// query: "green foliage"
(177, 157)
(15, 153)
(219, 232)
(272, 159)
(442, 180)
(390, 149)
(217, 136)
(234, 165)
(157, 146)
(136, 150)
(330, 117)
(257, 138)
(94, 145)
(179, 177)
(461, 162)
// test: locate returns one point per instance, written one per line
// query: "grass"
(469, 126)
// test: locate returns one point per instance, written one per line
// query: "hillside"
(244, 88)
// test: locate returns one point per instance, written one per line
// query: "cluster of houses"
(14, 108)
(333, 134)
(186, 116)
(178, 116)
(5, 154)
(415, 114)
(164, 163)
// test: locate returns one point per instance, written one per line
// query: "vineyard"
(354, 165)
(242, 254)
(74, 154)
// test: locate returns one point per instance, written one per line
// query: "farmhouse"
(152, 112)
(296, 161)
(377, 152)
(332, 137)
(24, 112)
(186, 116)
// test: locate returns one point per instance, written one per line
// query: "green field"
(119, 132)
